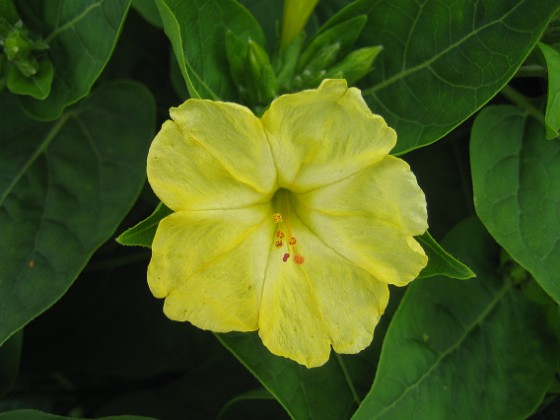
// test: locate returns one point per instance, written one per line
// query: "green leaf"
(463, 350)
(252, 395)
(65, 187)
(441, 63)
(37, 86)
(516, 182)
(197, 31)
(39, 415)
(552, 117)
(143, 233)
(81, 35)
(440, 262)
(323, 393)
(148, 10)
(10, 354)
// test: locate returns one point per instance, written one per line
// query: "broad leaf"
(323, 393)
(197, 30)
(464, 350)
(516, 182)
(442, 62)
(441, 262)
(65, 186)
(552, 117)
(81, 35)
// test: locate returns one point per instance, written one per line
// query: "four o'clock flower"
(292, 224)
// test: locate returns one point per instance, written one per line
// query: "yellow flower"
(293, 224)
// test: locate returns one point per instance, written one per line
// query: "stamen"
(298, 259)
(285, 227)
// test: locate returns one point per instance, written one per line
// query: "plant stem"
(522, 102)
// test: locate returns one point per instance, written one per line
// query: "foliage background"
(472, 89)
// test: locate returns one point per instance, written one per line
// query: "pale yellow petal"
(210, 266)
(326, 301)
(322, 135)
(212, 155)
(370, 219)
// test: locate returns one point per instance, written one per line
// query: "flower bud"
(355, 65)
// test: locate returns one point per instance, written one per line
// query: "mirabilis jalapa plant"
(286, 212)
(294, 223)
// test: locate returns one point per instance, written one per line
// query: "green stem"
(531, 70)
(522, 102)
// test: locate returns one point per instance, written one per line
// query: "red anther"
(280, 234)
(292, 241)
(285, 257)
(279, 244)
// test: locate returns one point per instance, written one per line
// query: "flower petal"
(209, 266)
(325, 301)
(322, 135)
(370, 219)
(205, 158)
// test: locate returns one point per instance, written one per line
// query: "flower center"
(284, 239)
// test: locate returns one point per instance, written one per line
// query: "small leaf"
(197, 31)
(516, 183)
(440, 262)
(552, 116)
(463, 350)
(81, 35)
(255, 394)
(143, 233)
(440, 63)
(65, 188)
(37, 86)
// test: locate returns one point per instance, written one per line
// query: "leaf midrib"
(40, 150)
(404, 73)
(492, 304)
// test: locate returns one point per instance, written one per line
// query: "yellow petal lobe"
(205, 158)
(209, 266)
(322, 135)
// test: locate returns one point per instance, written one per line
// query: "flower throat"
(284, 238)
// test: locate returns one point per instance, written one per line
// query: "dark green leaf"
(197, 30)
(143, 233)
(440, 63)
(10, 354)
(253, 395)
(440, 262)
(39, 415)
(552, 117)
(148, 10)
(516, 181)
(463, 350)
(81, 35)
(323, 393)
(65, 187)
(37, 86)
